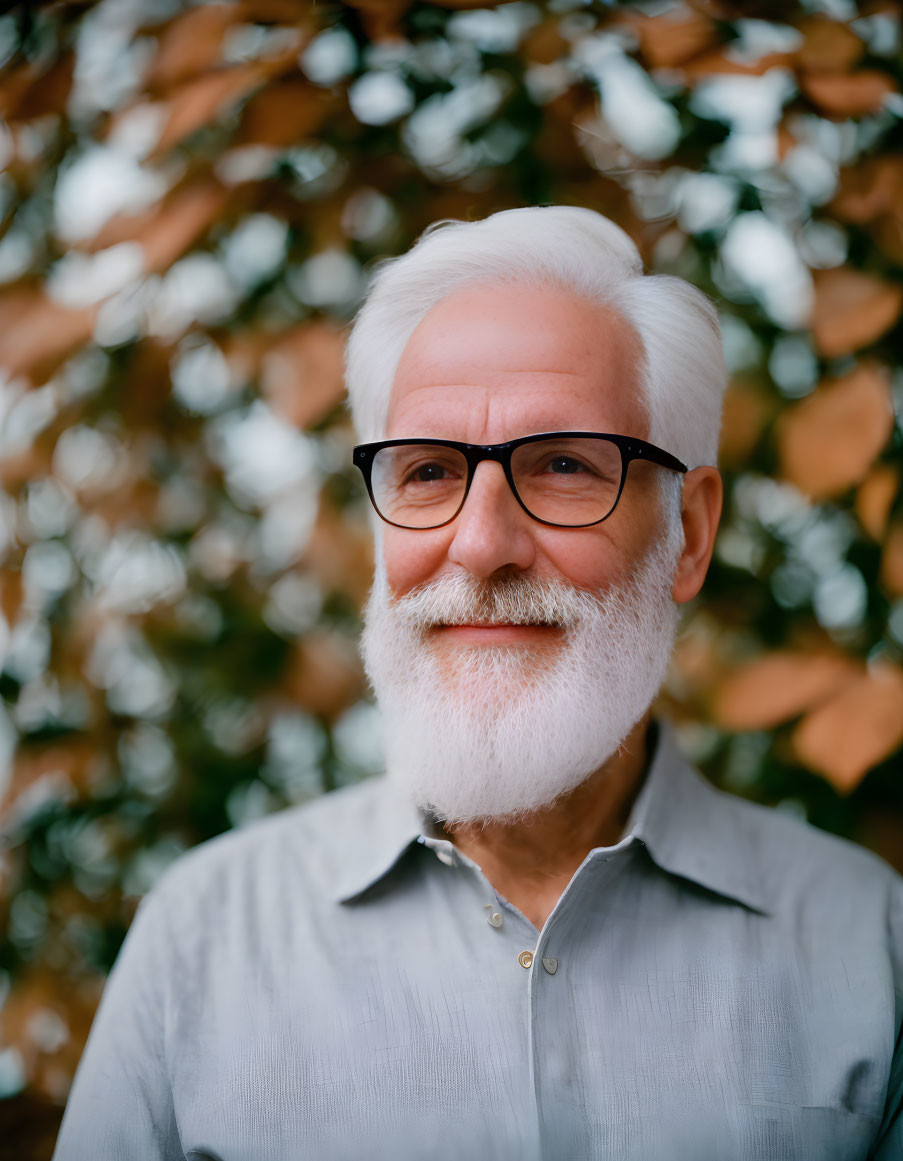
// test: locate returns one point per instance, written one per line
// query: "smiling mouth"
(497, 625)
(513, 631)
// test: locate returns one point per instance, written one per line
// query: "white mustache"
(463, 599)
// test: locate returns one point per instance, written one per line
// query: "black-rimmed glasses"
(569, 479)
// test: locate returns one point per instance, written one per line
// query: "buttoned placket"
(556, 1061)
(506, 930)
(541, 959)
(495, 906)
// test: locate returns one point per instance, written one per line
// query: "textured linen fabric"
(723, 984)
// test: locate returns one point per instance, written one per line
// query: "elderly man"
(542, 935)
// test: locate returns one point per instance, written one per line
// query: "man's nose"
(492, 531)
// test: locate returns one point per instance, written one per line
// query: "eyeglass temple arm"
(640, 449)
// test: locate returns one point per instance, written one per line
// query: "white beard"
(491, 732)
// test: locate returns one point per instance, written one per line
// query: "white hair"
(683, 377)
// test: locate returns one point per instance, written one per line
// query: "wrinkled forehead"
(499, 357)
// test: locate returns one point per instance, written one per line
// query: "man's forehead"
(537, 349)
(548, 329)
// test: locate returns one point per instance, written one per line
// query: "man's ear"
(700, 512)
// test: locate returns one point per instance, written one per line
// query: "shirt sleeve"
(889, 1146)
(121, 1107)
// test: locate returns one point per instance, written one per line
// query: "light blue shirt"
(723, 984)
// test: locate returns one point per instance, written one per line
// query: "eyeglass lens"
(567, 480)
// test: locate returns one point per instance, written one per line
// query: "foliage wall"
(191, 198)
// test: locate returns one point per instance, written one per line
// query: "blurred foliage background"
(191, 198)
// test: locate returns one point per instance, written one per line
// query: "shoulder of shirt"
(795, 865)
(311, 843)
(770, 861)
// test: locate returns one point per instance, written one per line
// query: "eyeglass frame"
(630, 447)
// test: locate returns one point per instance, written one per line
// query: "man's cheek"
(410, 559)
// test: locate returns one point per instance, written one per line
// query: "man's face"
(491, 720)
(492, 363)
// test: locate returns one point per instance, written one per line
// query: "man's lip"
(494, 625)
(476, 631)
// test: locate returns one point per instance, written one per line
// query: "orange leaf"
(856, 729)
(325, 674)
(848, 95)
(674, 37)
(35, 92)
(68, 763)
(459, 4)
(745, 413)
(780, 686)
(545, 44)
(829, 441)
(720, 62)
(828, 45)
(786, 141)
(18, 469)
(881, 830)
(284, 113)
(180, 221)
(37, 991)
(852, 309)
(340, 555)
(695, 660)
(172, 226)
(380, 17)
(11, 594)
(302, 376)
(870, 189)
(191, 44)
(203, 100)
(275, 12)
(875, 497)
(36, 333)
(888, 234)
(892, 560)
(14, 84)
(245, 350)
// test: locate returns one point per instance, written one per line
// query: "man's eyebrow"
(531, 370)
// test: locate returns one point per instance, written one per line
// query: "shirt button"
(525, 959)
(550, 963)
(495, 919)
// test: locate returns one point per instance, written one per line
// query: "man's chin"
(463, 802)
(470, 670)
(522, 813)
(495, 636)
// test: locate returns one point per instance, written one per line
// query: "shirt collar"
(689, 828)
(392, 825)
(695, 831)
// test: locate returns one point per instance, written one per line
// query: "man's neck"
(532, 860)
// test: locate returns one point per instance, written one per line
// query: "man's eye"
(426, 474)
(565, 466)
